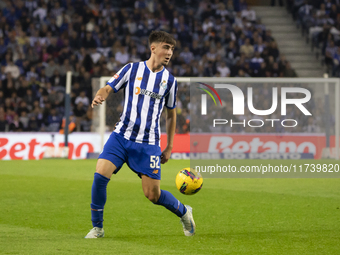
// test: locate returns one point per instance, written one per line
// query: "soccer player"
(148, 87)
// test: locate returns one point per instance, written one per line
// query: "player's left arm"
(170, 131)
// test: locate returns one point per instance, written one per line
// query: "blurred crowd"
(320, 23)
(40, 40)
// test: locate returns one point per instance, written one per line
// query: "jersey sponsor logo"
(163, 84)
(145, 92)
(139, 78)
(155, 171)
(116, 76)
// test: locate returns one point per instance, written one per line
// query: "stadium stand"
(320, 24)
(40, 41)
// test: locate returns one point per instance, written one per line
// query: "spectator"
(53, 121)
(276, 71)
(53, 98)
(41, 12)
(268, 36)
(3, 122)
(29, 98)
(16, 125)
(256, 62)
(264, 71)
(289, 72)
(241, 74)
(24, 119)
(57, 80)
(82, 98)
(220, 50)
(32, 56)
(33, 124)
(259, 46)
(249, 14)
(238, 20)
(71, 126)
(23, 108)
(209, 71)
(79, 110)
(12, 69)
(282, 63)
(52, 48)
(95, 55)
(223, 69)
(104, 49)
(31, 74)
(211, 55)
(134, 56)
(247, 48)
(85, 123)
(51, 68)
(122, 56)
(65, 67)
(273, 50)
(88, 41)
(186, 56)
(207, 24)
(79, 113)
(31, 5)
(330, 52)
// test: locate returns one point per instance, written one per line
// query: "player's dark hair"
(161, 36)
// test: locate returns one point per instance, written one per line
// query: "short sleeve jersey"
(145, 95)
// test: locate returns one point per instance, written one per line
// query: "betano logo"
(145, 92)
(204, 97)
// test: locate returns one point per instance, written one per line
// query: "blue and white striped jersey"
(145, 94)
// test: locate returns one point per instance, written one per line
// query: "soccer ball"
(189, 181)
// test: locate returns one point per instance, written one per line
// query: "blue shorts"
(141, 158)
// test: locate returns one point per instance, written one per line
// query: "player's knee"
(152, 196)
(105, 168)
(102, 171)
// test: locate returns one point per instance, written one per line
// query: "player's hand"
(97, 100)
(165, 155)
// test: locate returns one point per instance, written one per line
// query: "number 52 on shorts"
(154, 162)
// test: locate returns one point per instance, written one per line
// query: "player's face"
(164, 53)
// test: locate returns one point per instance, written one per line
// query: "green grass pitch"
(45, 209)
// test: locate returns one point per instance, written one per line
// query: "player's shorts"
(141, 158)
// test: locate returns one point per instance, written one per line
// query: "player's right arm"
(101, 95)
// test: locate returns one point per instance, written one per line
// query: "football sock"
(98, 199)
(171, 203)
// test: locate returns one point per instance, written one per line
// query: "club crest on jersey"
(163, 84)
